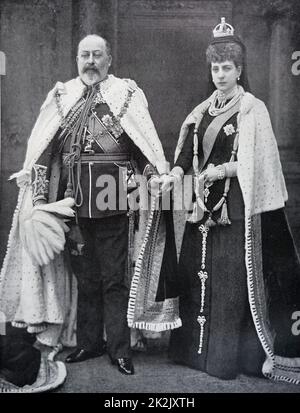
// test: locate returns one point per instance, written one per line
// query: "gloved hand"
(161, 184)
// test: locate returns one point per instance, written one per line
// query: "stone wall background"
(159, 43)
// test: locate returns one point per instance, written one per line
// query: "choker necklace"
(219, 99)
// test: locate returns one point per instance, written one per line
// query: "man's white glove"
(43, 233)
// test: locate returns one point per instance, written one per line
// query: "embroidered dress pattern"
(203, 276)
(201, 320)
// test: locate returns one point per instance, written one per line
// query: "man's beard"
(90, 75)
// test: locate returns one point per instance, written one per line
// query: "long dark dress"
(230, 344)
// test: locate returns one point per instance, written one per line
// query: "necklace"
(219, 99)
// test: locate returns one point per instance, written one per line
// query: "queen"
(239, 272)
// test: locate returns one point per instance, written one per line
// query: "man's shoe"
(125, 365)
(82, 355)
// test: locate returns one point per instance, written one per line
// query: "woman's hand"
(167, 183)
(163, 183)
(214, 173)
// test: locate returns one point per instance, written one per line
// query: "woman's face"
(224, 75)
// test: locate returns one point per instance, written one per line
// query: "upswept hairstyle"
(219, 52)
(227, 48)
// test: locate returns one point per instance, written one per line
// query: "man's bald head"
(94, 37)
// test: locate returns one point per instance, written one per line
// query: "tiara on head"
(223, 29)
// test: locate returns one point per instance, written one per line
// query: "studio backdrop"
(161, 45)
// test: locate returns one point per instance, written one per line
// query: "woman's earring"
(238, 78)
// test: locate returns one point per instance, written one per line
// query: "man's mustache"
(90, 67)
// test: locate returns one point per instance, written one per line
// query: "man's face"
(92, 61)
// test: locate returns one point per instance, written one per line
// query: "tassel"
(76, 241)
(224, 219)
(69, 191)
(198, 206)
(196, 215)
(210, 222)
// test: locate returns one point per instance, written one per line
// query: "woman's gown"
(230, 344)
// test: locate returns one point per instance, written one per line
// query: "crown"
(223, 29)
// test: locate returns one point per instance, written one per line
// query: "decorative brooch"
(112, 125)
(229, 129)
(98, 99)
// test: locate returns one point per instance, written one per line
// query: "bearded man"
(92, 135)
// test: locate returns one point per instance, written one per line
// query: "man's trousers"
(101, 272)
